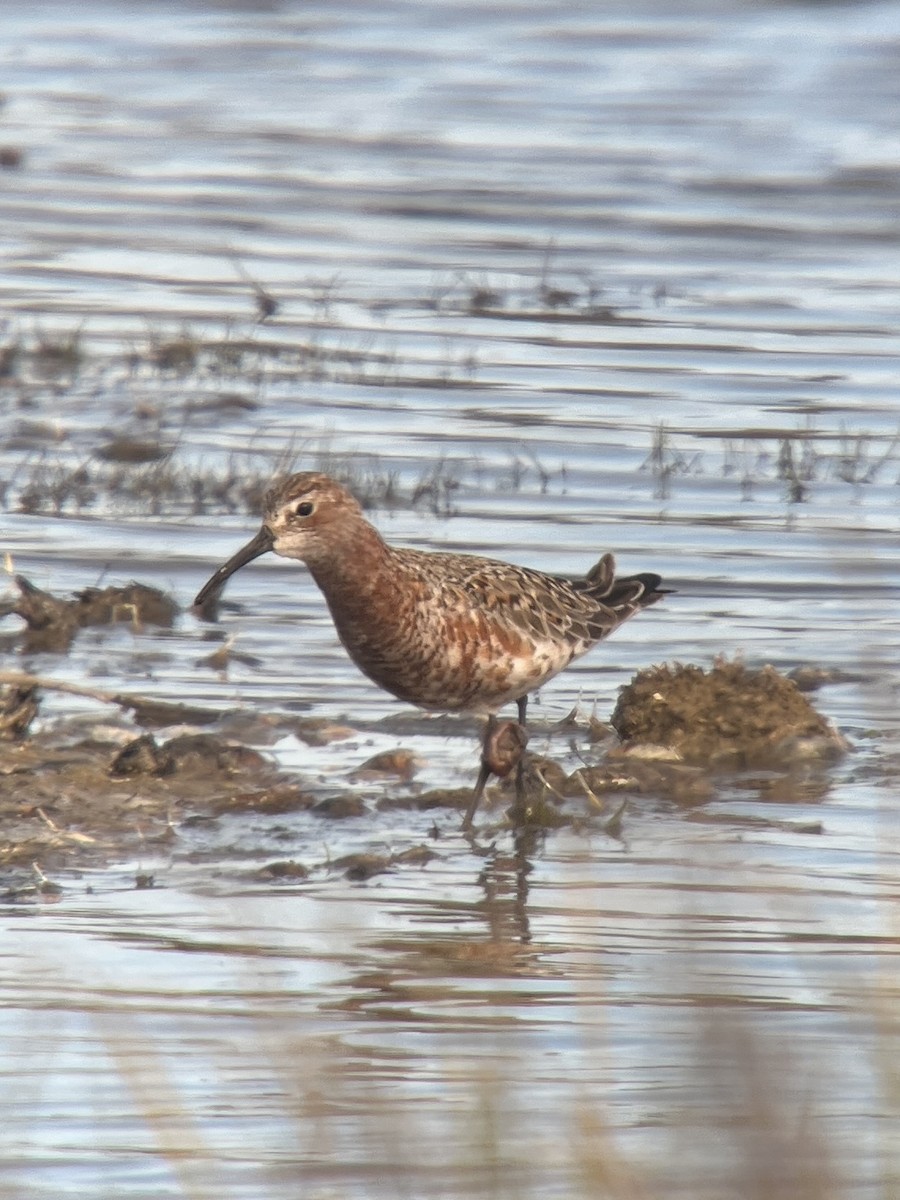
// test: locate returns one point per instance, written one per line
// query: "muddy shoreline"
(89, 791)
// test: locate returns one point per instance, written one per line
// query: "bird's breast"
(446, 657)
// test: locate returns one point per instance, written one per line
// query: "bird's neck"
(359, 568)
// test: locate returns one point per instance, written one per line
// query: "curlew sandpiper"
(446, 632)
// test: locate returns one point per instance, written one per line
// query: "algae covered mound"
(730, 715)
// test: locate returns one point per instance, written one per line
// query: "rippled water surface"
(572, 278)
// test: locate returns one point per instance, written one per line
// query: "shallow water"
(602, 266)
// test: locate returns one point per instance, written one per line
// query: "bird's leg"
(484, 772)
(522, 705)
(502, 749)
(519, 810)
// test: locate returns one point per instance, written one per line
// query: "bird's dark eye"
(304, 508)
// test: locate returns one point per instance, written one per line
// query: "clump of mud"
(18, 708)
(728, 717)
(52, 622)
(68, 802)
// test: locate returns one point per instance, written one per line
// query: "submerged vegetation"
(173, 422)
(170, 486)
(158, 476)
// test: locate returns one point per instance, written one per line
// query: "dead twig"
(24, 680)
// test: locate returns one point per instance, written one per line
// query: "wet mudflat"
(622, 280)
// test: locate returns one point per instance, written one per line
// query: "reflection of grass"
(54, 488)
(146, 473)
(178, 354)
(796, 459)
(543, 292)
(170, 486)
(9, 359)
(862, 457)
(739, 1110)
(665, 461)
(59, 354)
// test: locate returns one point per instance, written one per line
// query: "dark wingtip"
(652, 591)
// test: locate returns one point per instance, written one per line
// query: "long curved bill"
(209, 594)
